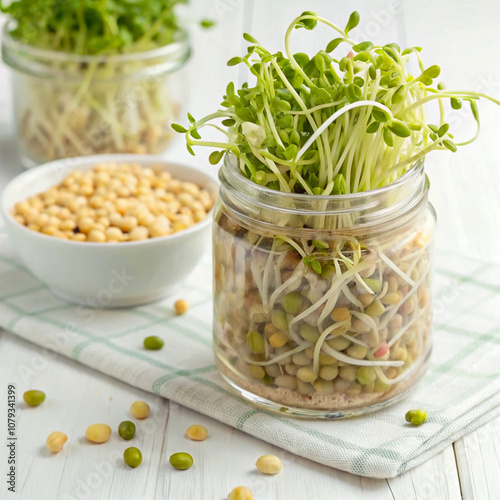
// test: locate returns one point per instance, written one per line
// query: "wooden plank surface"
(78, 397)
(463, 37)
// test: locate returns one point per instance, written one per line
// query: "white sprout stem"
(333, 299)
(265, 278)
(328, 307)
(355, 340)
(336, 284)
(256, 270)
(276, 359)
(350, 296)
(321, 340)
(388, 381)
(297, 247)
(383, 292)
(388, 317)
(368, 320)
(297, 273)
(402, 331)
(395, 268)
(361, 281)
(358, 362)
(333, 117)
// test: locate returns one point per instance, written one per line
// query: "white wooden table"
(460, 35)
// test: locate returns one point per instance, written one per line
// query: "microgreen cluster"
(327, 125)
(94, 26)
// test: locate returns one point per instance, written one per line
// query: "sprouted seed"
(348, 119)
(92, 103)
(316, 308)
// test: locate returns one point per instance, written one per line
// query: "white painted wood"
(76, 398)
(478, 460)
(437, 478)
(462, 36)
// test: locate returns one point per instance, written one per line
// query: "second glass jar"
(68, 105)
(322, 303)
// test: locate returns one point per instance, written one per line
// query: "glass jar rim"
(397, 200)
(234, 174)
(20, 55)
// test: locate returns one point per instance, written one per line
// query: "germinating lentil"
(336, 341)
(114, 203)
(126, 429)
(132, 457)
(197, 433)
(139, 409)
(34, 398)
(240, 493)
(181, 461)
(55, 441)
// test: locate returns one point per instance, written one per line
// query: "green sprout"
(94, 27)
(331, 124)
(99, 104)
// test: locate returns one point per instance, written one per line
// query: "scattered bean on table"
(126, 429)
(269, 464)
(197, 433)
(181, 461)
(139, 409)
(153, 343)
(34, 398)
(55, 441)
(416, 417)
(181, 306)
(240, 493)
(132, 457)
(98, 433)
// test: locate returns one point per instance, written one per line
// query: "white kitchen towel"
(460, 392)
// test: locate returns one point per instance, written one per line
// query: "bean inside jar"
(115, 203)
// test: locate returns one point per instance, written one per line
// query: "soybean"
(139, 409)
(269, 464)
(153, 343)
(126, 429)
(132, 457)
(416, 417)
(181, 306)
(98, 433)
(181, 461)
(197, 433)
(240, 493)
(55, 441)
(34, 398)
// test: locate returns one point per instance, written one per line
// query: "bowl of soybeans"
(113, 230)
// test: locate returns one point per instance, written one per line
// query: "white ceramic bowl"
(106, 275)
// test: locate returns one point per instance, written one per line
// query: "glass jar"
(77, 105)
(322, 303)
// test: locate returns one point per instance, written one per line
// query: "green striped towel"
(460, 392)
